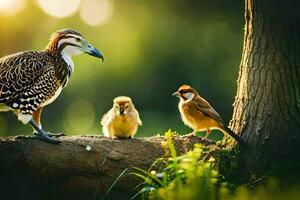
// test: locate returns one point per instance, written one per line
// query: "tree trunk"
(267, 103)
(81, 167)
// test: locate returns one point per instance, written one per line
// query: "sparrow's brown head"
(185, 92)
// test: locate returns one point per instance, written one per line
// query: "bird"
(198, 114)
(122, 120)
(31, 80)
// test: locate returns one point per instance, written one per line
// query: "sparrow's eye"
(77, 39)
(183, 91)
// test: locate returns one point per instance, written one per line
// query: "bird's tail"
(235, 136)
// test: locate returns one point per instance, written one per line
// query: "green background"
(150, 49)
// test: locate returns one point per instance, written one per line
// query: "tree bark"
(267, 104)
(81, 167)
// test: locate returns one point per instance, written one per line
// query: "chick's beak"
(176, 94)
(121, 111)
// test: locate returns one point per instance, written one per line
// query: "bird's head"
(123, 105)
(185, 93)
(70, 43)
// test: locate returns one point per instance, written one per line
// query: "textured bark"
(267, 104)
(33, 169)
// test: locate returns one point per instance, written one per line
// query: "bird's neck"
(62, 58)
(68, 60)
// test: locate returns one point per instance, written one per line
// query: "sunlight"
(96, 12)
(80, 116)
(59, 8)
(11, 7)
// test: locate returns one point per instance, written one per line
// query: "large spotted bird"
(31, 80)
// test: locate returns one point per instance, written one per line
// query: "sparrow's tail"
(235, 136)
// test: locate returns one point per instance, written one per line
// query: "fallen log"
(81, 167)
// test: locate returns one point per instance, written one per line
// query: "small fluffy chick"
(122, 120)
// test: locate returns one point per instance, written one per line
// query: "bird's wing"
(138, 118)
(106, 117)
(204, 107)
(18, 72)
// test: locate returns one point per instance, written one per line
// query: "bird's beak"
(96, 53)
(89, 49)
(121, 111)
(176, 94)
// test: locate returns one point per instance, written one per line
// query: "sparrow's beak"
(176, 94)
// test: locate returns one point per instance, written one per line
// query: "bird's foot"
(45, 137)
(42, 134)
(51, 134)
(192, 134)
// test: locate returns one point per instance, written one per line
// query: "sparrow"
(122, 120)
(198, 114)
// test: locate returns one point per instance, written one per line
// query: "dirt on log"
(81, 167)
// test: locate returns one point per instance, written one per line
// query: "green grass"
(195, 175)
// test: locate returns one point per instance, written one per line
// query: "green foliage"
(195, 175)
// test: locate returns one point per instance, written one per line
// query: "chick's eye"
(77, 40)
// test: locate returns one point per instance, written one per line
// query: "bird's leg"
(37, 118)
(207, 133)
(194, 133)
(42, 134)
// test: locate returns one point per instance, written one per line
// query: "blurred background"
(150, 49)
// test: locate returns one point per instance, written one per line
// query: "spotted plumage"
(30, 80)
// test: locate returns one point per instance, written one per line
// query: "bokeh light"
(96, 12)
(11, 7)
(150, 48)
(80, 117)
(59, 8)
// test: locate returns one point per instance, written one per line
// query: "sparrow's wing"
(204, 107)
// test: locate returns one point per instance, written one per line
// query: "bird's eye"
(77, 39)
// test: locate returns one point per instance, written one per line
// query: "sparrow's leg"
(207, 133)
(42, 134)
(37, 118)
(193, 134)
